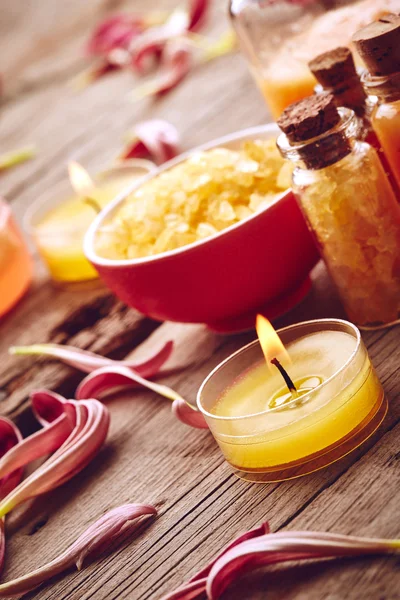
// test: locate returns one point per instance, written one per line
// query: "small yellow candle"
(59, 231)
(264, 429)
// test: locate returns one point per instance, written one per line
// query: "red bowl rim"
(88, 243)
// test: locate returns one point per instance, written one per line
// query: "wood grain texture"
(149, 456)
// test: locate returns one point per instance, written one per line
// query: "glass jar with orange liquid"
(16, 266)
(379, 46)
(279, 37)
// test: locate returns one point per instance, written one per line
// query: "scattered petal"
(226, 44)
(10, 438)
(288, 546)
(177, 60)
(197, 13)
(97, 538)
(189, 415)
(152, 41)
(37, 445)
(114, 32)
(196, 586)
(91, 423)
(47, 406)
(155, 138)
(89, 361)
(15, 157)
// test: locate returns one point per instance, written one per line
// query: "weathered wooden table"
(149, 456)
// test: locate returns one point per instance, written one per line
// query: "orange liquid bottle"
(16, 266)
(379, 46)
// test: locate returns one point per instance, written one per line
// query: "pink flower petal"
(156, 139)
(197, 14)
(36, 445)
(88, 435)
(114, 32)
(188, 415)
(99, 537)
(196, 586)
(47, 406)
(288, 546)
(10, 438)
(89, 361)
(177, 60)
(151, 41)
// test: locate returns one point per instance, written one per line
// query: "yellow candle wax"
(260, 428)
(59, 236)
(58, 229)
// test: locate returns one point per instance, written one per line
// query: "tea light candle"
(58, 228)
(16, 266)
(268, 433)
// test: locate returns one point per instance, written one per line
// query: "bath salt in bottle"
(378, 44)
(349, 205)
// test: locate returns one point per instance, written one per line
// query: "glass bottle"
(349, 205)
(336, 74)
(16, 266)
(379, 46)
(279, 37)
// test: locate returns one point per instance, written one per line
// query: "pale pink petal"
(35, 446)
(10, 437)
(188, 415)
(89, 361)
(196, 586)
(197, 13)
(288, 546)
(85, 440)
(99, 537)
(177, 61)
(47, 406)
(151, 41)
(155, 138)
(114, 32)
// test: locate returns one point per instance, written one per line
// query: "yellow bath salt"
(196, 199)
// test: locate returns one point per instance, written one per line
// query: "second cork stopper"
(334, 68)
(309, 117)
(378, 44)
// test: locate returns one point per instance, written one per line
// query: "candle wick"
(286, 377)
(93, 204)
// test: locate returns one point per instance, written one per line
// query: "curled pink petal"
(10, 438)
(151, 41)
(177, 60)
(89, 361)
(90, 430)
(188, 415)
(196, 586)
(288, 546)
(47, 406)
(197, 13)
(35, 446)
(97, 538)
(156, 139)
(114, 32)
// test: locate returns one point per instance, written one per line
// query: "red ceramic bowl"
(260, 264)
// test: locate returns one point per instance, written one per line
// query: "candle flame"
(270, 342)
(80, 179)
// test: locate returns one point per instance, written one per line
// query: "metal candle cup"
(267, 436)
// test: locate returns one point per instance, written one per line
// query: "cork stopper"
(332, 69)
(309, 117)
(378, 44)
